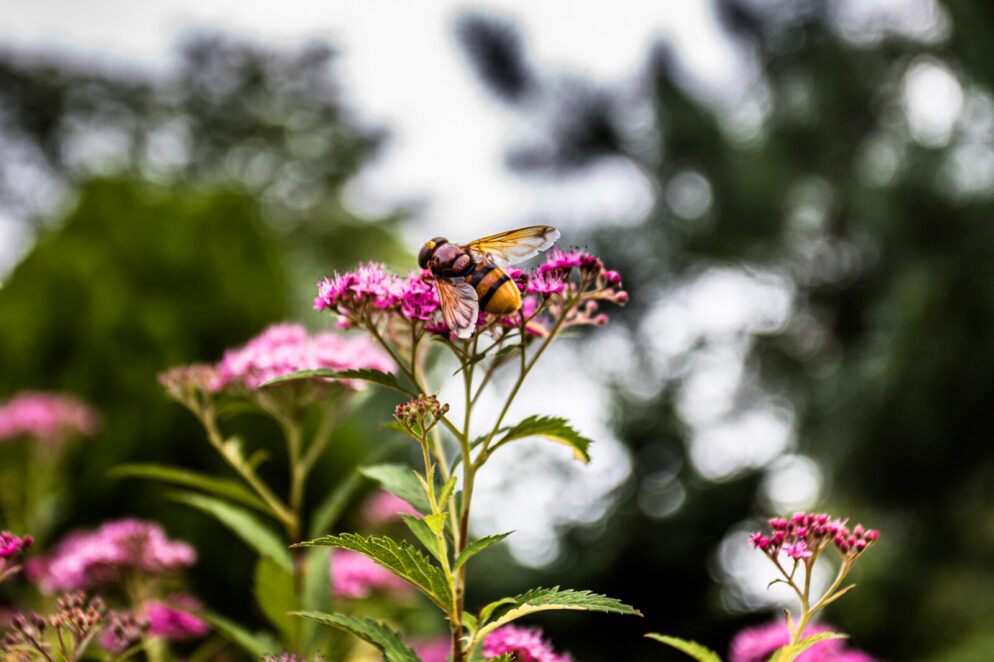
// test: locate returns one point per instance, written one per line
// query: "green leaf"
(400, 558)
(476, 547)
(275, 595)
(243, 524)
(436, 522)
(316, 596)
(691, 648)
(543, 599)
(446, 492)
(255, 644)
(379, 635)
(218, 486)
(420, 528)
(552, 428)
(400, 480)
(790, 653)
(366, 375)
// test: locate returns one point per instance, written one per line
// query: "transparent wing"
(460, 307)
(515, 246)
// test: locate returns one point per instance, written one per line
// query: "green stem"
(237, 463)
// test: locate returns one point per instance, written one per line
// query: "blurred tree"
(176, 214)
(849, 173)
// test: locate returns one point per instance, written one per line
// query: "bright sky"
(399, 62)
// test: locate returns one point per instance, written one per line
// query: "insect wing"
(515, 246)
(460, 306)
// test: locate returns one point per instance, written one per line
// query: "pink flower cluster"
(373, 293)
(525, 644)
(433, 650)
(90, 558)
(11, 545)
(804, 535)
(285, 348)
(383, 507)
(757, 644)
(172, 619)
(356, 576)
(51, 417)
(373, 286)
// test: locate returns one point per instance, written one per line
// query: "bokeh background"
(798, 195)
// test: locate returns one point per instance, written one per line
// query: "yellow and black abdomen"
(497, 293)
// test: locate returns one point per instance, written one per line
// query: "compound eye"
(425, 253)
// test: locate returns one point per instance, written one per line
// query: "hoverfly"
(471, 278)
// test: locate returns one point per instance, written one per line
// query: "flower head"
(51, 417)
(804, 535)
(11, 545)
(757, 644)
(86, 559)
(356, 576)
(525, 644)
(123, 630)
(172, 619)
(285, 348)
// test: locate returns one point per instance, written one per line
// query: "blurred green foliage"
(882, 231)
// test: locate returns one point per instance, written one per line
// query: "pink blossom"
(382, 507)
(756, 644)
(547, 283)
(51, 417)
(11, 545)
(433, 650)
(797, 550)
(356, 576)
(85, 559)
(526, 644)
(418, 299)
(371, 283)
(285, 348)
(172, 619)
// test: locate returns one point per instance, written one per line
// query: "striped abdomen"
(495, 290)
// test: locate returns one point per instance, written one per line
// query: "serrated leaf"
(691, 648)
(420, 528)
(400, 480)
(243, 524)
(400, 558)
(552, 428)
(790, 653)
(274, 593)
(255, 644)
(476, 547)
(387, 641)
(544, 599)
(366, 375)
(219, 486)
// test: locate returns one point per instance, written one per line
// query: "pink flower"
(51, 417)
(11, 545)
(173, 620)
(356, 576)
(382, 507)
(797, 550)
(86, 559)
(433, 650)
(756, 644)
(418, 299)
(285, 348)
(526, 644)
(547, 283)
(804, 534)
(371, 283)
